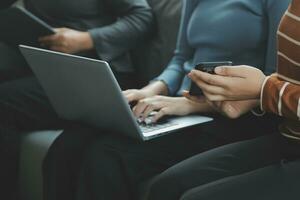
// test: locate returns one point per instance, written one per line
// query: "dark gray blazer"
(116, 26)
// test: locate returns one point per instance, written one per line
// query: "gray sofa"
(149, 59)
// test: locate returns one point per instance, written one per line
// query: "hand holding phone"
(208, 67)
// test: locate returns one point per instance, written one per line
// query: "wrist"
(199, 107)
(260, 88)
(86, 41)
(156, 88)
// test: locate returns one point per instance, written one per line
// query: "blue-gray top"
(242, 31)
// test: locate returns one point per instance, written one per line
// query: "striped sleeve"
(281, 97)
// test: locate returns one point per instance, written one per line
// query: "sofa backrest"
(152, 57)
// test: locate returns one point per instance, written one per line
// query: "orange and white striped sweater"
(281, 91)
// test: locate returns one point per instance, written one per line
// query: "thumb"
(57, 30)
(234, 71)
(199, 99)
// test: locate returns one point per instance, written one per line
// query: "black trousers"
(12, 63)
(108, 166)
(264, 168)
(24, 107)
(20, 111)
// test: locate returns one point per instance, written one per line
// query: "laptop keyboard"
(149, 127)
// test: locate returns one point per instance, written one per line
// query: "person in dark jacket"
(101, 29)
(104, 29)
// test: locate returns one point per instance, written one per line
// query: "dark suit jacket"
(116, 26)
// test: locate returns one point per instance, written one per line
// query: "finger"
(214, 97)
(199, 99)
(161, 113)
(218, 103)
(57, 40)
(139, 109)
(59, 49)
(211, 88)
(126, 92)
(49, 43)
(59, 30)
(210, 79)
(132, 97)
(153, 104)
(149, 109)
(218, 106)
(234, 71)
(230, 111)
(47, 39)
(212, 104)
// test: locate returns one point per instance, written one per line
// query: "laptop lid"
(82, 89)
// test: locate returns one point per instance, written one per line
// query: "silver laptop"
(86, 90)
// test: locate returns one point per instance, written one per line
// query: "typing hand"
(134, 95)
(164, 106)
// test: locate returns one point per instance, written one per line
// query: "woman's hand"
(66, 40)
(234, 109)
(133, 95)
(164, 106)
(231, 109)
(155, 88)
(230, 83)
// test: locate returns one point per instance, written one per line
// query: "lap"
(186, 142)
(25, 107)
(279, 181)
(216, 164)
(164, 152)
(134, 162)
(10, 57)
(12, 63)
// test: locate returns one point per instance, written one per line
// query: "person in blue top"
(110, 166)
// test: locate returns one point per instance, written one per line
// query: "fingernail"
(230, 109)
(218, 70)
(139, 120)
(191, 73)
(148, 121)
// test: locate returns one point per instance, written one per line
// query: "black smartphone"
(208, 67)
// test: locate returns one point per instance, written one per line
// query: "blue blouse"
(242, 31)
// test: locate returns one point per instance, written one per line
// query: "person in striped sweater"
(265, 168)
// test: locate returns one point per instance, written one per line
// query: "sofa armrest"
(34, 148)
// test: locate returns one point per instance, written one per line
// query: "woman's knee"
(165, 186)
(209, 191)
(191, 195)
